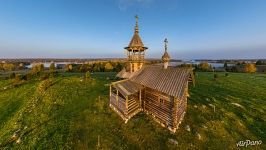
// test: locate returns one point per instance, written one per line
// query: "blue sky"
(196, 29)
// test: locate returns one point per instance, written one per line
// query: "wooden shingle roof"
(127, 87)
(126, 75)
(171, 81)
(136, 43)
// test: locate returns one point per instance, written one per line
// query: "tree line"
(95, 67)
(39, 71)
(241, 67)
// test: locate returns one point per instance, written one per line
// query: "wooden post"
(144, 99)
(127, 102)
(130, 67)
(144, 106)
(126, 106)
(110, 90)
(140, 100)
(117, 97)
(99, 145)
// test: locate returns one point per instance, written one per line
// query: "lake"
(47, 64)
(216, 65)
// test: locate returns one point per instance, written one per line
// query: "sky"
(195, 29)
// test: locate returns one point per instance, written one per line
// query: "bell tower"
(135, 51)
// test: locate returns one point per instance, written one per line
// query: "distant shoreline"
(30, 60)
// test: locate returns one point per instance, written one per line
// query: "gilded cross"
(165, 44)
(136, 26)
(137, 18)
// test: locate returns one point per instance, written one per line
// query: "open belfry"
(158, 90)
(135, 50)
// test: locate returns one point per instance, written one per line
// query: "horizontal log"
(133, 107)
(155, 99)
(162, 106)
(164, 116)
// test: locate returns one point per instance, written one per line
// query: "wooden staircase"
(133, 108)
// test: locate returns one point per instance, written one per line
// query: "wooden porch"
(125, 98)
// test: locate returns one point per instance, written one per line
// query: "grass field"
(74, 113)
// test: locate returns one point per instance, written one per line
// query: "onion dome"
(166, 57)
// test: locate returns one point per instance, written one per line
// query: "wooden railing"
(136, 57)
(119, 103)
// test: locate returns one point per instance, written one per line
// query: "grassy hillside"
(71, 112)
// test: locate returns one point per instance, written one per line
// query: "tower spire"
(137, 26)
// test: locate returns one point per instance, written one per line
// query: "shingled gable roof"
(128, 87)
(126, 75)
(171, 81)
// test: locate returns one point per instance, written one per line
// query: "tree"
(21, 66)
(82, 68)
(259, 62)
(52, 67)
(96, 67)
(69, 68)
(250, 68)
(234, 69)
(204, 66)
(114, 64)
(41, 67)
(37, 68)
(119, 67)
(1, 66)
(186, 65)
(108, 67)
(102, 67)
(8, 67)
(225, 65)
(12, 67)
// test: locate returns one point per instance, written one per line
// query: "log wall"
(166, 109)
(181, 106)
(159, 105)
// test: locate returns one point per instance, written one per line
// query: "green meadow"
(73, 113)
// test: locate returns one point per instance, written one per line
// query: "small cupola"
(166, 57)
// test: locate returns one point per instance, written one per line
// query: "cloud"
(123, 5)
